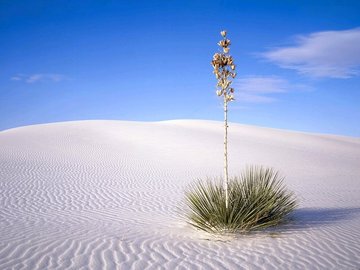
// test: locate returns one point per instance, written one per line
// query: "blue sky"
(298, 63)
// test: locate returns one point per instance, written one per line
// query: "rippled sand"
(105, 195)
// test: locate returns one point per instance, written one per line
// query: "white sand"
(104, 194)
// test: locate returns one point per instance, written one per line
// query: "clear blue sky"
(298, 62)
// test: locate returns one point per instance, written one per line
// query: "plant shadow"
(310, 218)
(300, 220)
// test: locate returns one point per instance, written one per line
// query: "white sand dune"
(104, 195)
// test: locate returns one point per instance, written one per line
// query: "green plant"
(257, 199)
(224, 70)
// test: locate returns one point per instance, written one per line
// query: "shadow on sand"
(309, 218)
(301, 220)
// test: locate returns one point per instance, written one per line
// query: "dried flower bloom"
(223, 65)
(224, 43)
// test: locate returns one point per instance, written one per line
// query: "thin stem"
(225, 154)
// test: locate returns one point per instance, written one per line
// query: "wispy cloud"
(263, 89)
(333, 54)
(40, 77)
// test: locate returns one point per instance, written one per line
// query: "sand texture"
(105, 195)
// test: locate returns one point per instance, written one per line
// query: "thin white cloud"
(41, 77)
(333, 54)
(260, 89)
(16, 78)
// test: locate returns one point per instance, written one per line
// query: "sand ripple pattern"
(105, 195)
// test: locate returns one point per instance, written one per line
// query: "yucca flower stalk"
(224, 70)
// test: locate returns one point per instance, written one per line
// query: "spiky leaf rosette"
(257, 199)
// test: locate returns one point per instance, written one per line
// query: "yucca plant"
(257, 199)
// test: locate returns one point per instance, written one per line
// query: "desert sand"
(106, 195)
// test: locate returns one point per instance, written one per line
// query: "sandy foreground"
(105, 195)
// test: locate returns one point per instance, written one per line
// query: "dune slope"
(105, 195)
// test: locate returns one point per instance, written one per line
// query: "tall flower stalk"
(224, 70)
